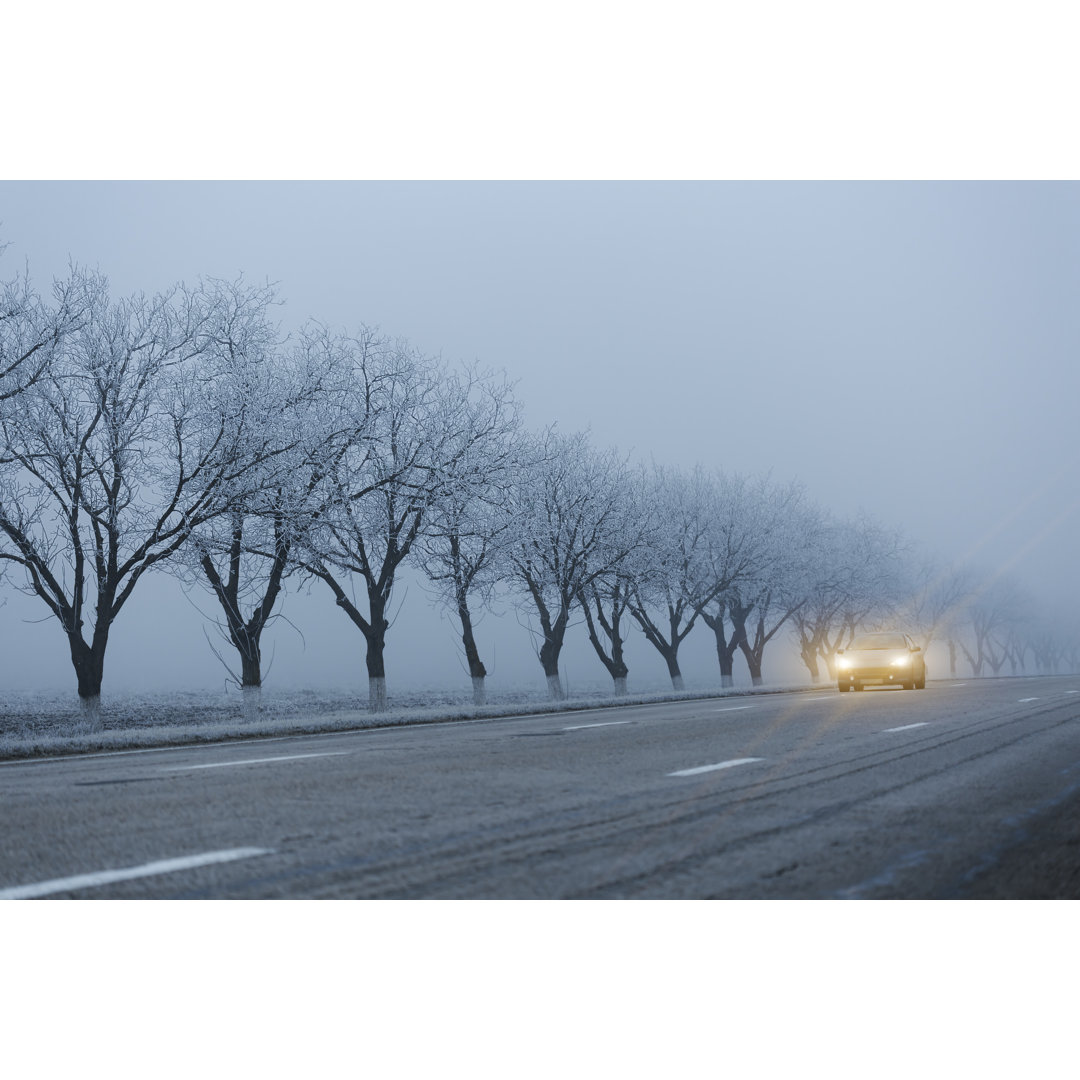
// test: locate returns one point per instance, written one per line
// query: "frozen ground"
(33, 725)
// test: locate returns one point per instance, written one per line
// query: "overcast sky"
(905, 348)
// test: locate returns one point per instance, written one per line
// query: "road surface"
(942, 793)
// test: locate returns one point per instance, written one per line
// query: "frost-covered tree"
(425, 442)
(854, 579)
(246, 556)
(568, 514)
(462, 548)
(142, 428)
(32, 330)
(936, 602)
(778, 521)
(705, 541)
(605, 601)
(996, 610)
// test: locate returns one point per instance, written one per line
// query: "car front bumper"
(886, 675)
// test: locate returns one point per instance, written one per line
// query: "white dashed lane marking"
(254, 761)
(609, 723)
(908, 727)
(719, 765)
(107, 877)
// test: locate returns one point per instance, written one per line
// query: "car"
(889, 659)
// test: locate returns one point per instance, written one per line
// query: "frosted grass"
(44, 724)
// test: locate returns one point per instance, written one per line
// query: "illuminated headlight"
(902, 661)
(843, 663)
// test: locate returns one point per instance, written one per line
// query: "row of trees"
(181, 431)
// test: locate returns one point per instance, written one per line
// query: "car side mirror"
(839, 652)
(916, 648)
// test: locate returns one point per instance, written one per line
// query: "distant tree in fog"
(142, 427)
(705, 540)
(774, 525)
(605, 600)
(995, 612)
(854, 580)
(568, 533)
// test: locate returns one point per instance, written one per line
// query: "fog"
(907, 349)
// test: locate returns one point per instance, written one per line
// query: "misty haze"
(280, 458)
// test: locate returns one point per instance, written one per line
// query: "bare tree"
(462, 548)
(424, 443)
(568, 517)
(705, 541)
(142, 427)
(606, 600)
(994, 612)
(767, 528)
(246, 555)
(855, 576)
(32, 331)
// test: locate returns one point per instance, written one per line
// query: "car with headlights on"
(885, 659)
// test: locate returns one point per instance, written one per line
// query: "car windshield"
(880, 641)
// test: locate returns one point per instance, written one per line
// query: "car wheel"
(843, 687)
(856, 685)
(921, 683)
(908, 685)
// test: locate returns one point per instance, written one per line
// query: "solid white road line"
(107, 877)
(609, 723)
(253, 761)
(712, 768)
(908, 727)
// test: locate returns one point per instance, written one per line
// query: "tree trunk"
(251, 696)
(549, 659)
(375, 636)
(377, 693)
(374, 633)
(615, 664)
(477, 671)
(555, 687)
(89, 663)
(247, 645)
(753, 662)
(725, 650)
(668, 649)
(479, 690)
(554, 633)
(246, 636)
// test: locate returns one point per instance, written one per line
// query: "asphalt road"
(942, 793)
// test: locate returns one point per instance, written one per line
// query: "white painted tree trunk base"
(677, 683)
(620, 686)
(376, 693)
(555, 690)
(479, 690)
(90, 713)
(251, 696)
(726, 682)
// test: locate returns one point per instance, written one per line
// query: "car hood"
(875, 657)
